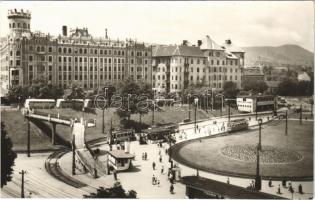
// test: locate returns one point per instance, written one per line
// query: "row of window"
(218, 77)
(69, 68)
(92, 51)
(19, 25)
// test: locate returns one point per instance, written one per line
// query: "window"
(50, 58)
(64, 50)
(30, 68)
(18, 62)
(211, 62)
(131, 61)
(197, 69)
(30, 48)
(18, 53)
(30, 58)
(69, 50)
(49, 49)
(59, 50)
(64, 59)
(217, 54)
(192, 61)
(198, 61)
(38, 49)
(50, 68)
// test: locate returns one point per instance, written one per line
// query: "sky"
(246, 23)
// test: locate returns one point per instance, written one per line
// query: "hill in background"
(285, 55)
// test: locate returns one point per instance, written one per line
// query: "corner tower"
(19, 22)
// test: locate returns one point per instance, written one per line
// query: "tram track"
(53, 168)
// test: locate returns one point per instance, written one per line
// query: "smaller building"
(303, 76)
(253, 103)
(120, 160)
(253, 74)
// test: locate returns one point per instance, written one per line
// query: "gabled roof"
(209, 44)
(175, 50)
(229, 46)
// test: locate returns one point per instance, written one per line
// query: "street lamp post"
(301, 114)
(259, 123)
(258, 177)
(189, 106)
(256, 109)
(286, 122)
(196, 104)
(222, 96)
(104, 106)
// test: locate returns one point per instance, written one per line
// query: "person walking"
(172, 189)
(279, 190)
(270, 182)
(153, 179)
(153, 165)
(162, 169)
(115, 175)
(228, 180)
(300, 189)
(160, 158)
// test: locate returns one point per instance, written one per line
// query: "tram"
(122, 136)
(237, 125)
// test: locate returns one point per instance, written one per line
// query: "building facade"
(176, 67)
(74, 58)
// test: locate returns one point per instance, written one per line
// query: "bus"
(39, 103)
(237, 125)
(70, 103)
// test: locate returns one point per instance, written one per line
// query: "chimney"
(106, 36)
(199, 42)
(228, 41)
(64, 30)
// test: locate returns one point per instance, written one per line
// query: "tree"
(7, 157)
(256, 86)
(114, 192)
(287, 87)
(77, 92)
(17, 94)
(230, 89)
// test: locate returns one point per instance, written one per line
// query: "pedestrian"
(115, 175)
(153, 165)
(284, 183)
(279, 190)
(228, 180)
(162, 169)
(270, 182)
(160, 158)
(153, 179)
(159, 151)
(145, 156)
(172, 189)
(300, 189)
(158, 183)
(253, 184)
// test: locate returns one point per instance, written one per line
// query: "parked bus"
(39, 103)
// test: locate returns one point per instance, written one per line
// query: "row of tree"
(40, 88)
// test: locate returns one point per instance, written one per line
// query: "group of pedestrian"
(290, 187)
(144, 156)
(155, 181)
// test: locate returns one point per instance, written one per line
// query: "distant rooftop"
(209, 44)
(177, 50)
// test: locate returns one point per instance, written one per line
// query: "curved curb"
(175, 149)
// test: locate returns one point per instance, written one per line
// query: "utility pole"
(256, 108)
(211, 99)
(73, 154)
(286, 122)
(23, 172)
(153, 110)
(301, 114)
(104, 106)
(28, 138)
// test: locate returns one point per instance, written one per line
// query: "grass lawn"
(206, 155)
(16, 127)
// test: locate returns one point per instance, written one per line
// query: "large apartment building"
(176, 67)
(74, 57)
